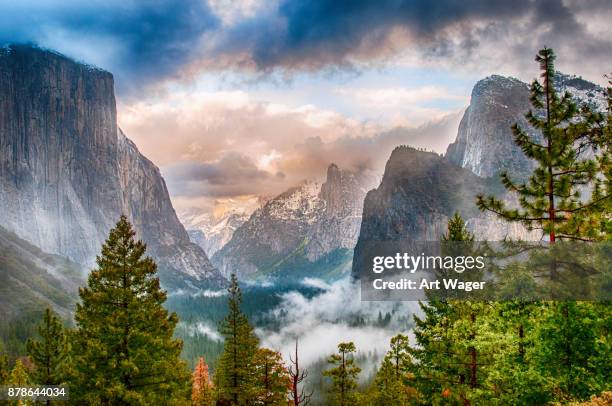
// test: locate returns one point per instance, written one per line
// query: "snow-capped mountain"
(212, 232)
(485, 143)
(310, 229)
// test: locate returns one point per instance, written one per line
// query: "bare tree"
(297, 375)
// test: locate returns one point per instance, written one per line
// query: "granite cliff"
(485, 143)
(67, 171)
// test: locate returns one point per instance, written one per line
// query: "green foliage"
(394, 380)
(50, 355)
(236, 371)
(123, 348)
(272, 379)
(4, 366)
(574, 348)
(343, 373)
(19, 378)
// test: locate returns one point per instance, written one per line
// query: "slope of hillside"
(31, 279)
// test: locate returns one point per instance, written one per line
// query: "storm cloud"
(232, 175)
(147, 41)
(139, 41)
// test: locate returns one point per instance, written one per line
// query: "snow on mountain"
(485, 143)
(311, 228)
(212, 232)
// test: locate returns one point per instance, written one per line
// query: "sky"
(234, 99)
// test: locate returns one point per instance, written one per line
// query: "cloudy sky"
(238, 98)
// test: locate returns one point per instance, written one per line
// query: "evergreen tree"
(394, 380)
(19, 378)
(550, 199)
(123, 348)
(236, 371)
(50, 355)
(343, 373)
(201, 386)
(272, 380)
(4, 366)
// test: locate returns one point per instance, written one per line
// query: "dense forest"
(123, 348)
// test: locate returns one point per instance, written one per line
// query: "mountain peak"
(485, 143)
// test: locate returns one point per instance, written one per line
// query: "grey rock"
(299, 227)
(67, 172)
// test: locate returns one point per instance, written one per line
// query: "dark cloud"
(142, 41)
(492, 35)
(232, 175)
(139, 41)
(330, 30)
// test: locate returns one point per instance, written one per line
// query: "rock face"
(307, 230)
(418, 194)
(485, 143)
(67, 172)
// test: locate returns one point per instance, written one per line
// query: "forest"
(122, 348)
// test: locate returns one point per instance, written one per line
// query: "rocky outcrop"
(67, 172)
(418, 194)
(308, 230)
(485, 143)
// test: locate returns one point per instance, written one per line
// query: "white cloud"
(323, 321)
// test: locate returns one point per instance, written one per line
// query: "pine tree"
(20, 378)
(4, 366)
(394, 380)
(343, 373)
(201, 386)
(50, 355)
(236, 372)
(123, 347)
(273, 383)
(550, 199)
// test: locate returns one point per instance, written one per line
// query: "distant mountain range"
(309, 230)
(212, 232)
(67, 172)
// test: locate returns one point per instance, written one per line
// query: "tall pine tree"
(569, 335)
(50, 355)
(123, 348)
(394, 380)
(272, 380)
(550, 200)
(343, 373)
(236, 373)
